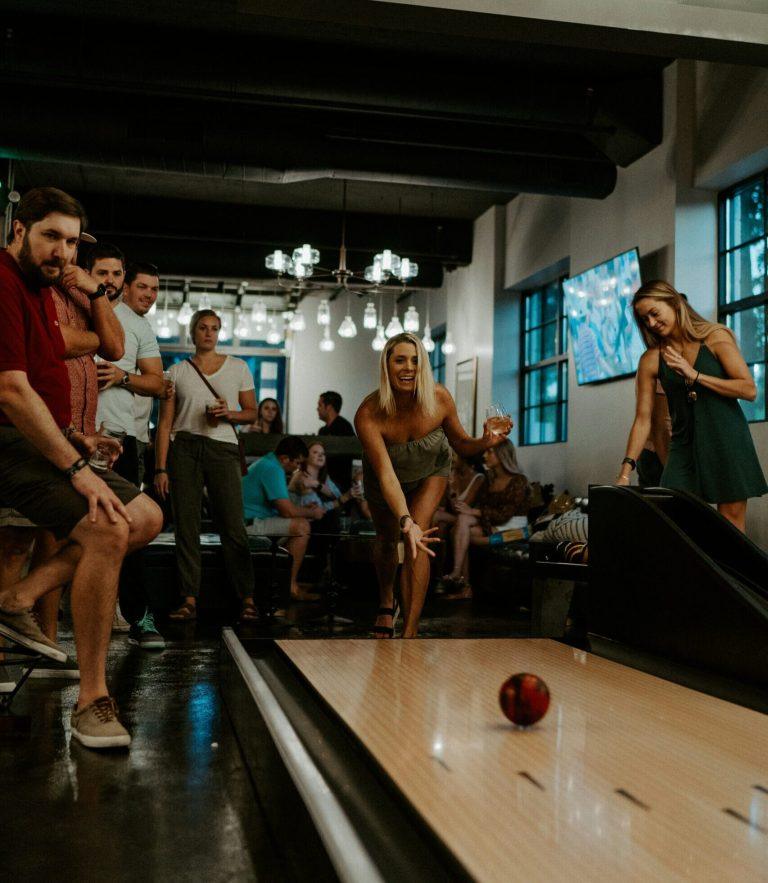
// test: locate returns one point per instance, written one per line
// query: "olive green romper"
(711, 454)
(413, 461)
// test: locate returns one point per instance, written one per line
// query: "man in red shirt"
(44, 476)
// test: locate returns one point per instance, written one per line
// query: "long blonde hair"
(692, 325)
(507, 454)
(424, 388)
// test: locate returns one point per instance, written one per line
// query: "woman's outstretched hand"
(419, 539)
(498, 434)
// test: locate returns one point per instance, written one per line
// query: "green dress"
(711, 454)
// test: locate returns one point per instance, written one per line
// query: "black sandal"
(387, 630)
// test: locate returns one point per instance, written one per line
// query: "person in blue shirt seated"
(269, 510)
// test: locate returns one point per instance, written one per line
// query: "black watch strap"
(75, 467)
(403, 519)
(630, 461)
(161, 471)
(100, 292)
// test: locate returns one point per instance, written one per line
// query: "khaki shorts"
(269, 527)
(40, 492)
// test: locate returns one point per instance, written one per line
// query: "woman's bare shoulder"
(719, 334)
(369, 408)
(649, 361)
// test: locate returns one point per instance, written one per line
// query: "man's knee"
(146, 518)
(102, 536)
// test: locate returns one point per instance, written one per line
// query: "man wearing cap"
(45, 476)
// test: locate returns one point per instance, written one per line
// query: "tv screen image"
(598, 302)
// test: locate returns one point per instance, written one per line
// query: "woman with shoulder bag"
(200, 420)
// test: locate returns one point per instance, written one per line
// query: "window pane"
(532, 388)
(533, 309)
(756, 410)
(549, 383)
(749, 328)
(745, 272)
(563, 422)
(533, 426)
(549, 340)
(744, 215)
(533, 347)
(549, 423)
(563, 335)
(551, 302)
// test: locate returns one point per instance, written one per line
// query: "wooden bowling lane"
(627, 777)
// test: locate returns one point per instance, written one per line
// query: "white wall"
(351, 369)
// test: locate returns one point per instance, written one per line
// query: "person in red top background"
(45, 477)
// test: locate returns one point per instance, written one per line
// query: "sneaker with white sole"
(98, 726)
(57, 670)
(119, 622)
(22, 629)
(146, 635)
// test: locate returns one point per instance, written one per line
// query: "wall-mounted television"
(598, 302)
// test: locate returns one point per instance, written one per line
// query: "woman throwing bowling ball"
(406, 428)
(703, 374)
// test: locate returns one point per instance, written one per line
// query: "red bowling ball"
(524, 699)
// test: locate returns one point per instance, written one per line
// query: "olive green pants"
(196, 462)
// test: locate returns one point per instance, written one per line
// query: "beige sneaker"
(119, 622)
(22, 629)
(97, 725)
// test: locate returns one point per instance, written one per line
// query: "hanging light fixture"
(348, 327)
(274, 334)
(327, 343)
(205, 302)
(429, 344)
(380, 341)
(448, 347)
(185, 314)
(241, 326)
(408, 270)
(395, 325)
(279, 262)
(369, 315)
(304, 258)
(411, 320)
(226, 327)
(323, 313)
(259, 312)
(164, 325)
(298, 322)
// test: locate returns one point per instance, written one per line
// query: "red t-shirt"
(31, 340)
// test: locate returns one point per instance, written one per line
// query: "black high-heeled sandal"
(387, 630)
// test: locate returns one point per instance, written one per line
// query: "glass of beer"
(497, 419)
(210, 417)
(102, 456)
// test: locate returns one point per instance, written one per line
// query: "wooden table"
(627, 777)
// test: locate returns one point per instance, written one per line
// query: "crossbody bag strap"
(202, 376)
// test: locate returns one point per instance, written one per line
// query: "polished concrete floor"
(179, 804)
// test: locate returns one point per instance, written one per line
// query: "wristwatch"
(100, 292)
(125, 379)
(75, 467)
(403, 519)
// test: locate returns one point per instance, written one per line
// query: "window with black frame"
(743, 290)
(437, 356)
(544, 366)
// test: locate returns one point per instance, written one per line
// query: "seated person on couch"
(269, 510)
(502, 502)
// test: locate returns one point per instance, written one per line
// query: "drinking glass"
(102, 456)
(497, 418)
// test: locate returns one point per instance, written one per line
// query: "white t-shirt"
(192, 396)
(116, 404)
(142, 411)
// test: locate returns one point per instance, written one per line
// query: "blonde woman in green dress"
(703, 373)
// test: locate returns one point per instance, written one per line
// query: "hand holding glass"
(497, 420)
(104, 455)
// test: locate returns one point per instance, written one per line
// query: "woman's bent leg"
(415, 577)
(385, 558)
